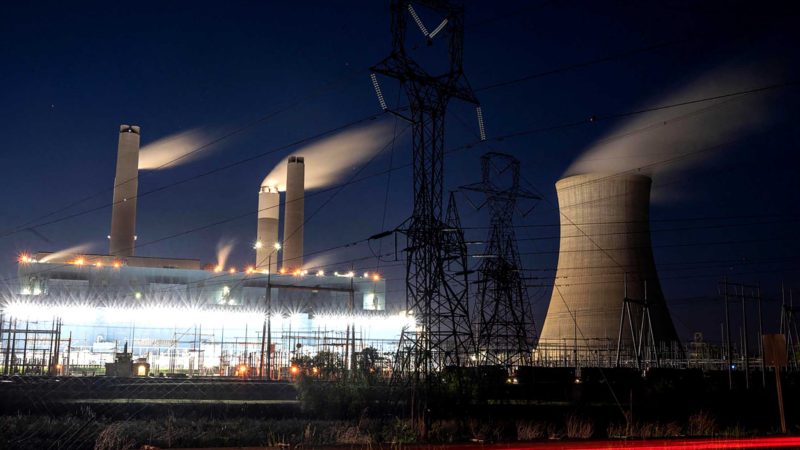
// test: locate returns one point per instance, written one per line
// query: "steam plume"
(683, 134)
(172, 150)
(71, 251)
(224, 247)
(329, 159)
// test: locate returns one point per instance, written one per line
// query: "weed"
(579, 428)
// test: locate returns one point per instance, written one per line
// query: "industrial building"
(75, 313)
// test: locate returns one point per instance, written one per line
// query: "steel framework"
(436, 275)
(505, 328)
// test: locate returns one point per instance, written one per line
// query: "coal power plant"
(607, 304)
(606, 308)
(78, 313)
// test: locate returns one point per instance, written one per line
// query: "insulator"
(418, 20)
(438, 29)
(378, 92)
(481, 127)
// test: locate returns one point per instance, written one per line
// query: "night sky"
(72, 73)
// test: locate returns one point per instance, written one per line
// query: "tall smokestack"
(605, 255)
(267, 236)
(126, 185)
(294, 217)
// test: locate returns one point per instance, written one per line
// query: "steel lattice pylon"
(505, 325)
(436, 276)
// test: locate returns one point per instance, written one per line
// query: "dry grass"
(352, 436)
(114, 437)
(647, 430)
(579, 427)
(701, 424)
(528, 430)
(447, 431)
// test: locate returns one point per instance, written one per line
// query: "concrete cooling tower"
(605, 254)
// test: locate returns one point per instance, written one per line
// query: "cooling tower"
(126, 184)
(293, 214)
(267, 236)
(604, 249)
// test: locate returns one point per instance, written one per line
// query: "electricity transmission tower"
(436, 275)
(505, 326)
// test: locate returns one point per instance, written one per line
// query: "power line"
(225, 136)
(448, 152)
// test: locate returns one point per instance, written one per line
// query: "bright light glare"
(158, 315)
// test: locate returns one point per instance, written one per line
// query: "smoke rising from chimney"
(224, 247)
(173, 150)
(329, 159)
(71, 251)
(686, 134)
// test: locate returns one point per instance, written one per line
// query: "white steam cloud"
(678, 138)
(67, 252)
(172, 150)
(224, 247)
(329, 159)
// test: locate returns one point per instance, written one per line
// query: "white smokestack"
(267, 233)
(294, 214)
(126, 185)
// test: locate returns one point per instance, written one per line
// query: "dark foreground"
(541, 409)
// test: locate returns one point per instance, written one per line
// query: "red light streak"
(654, 444)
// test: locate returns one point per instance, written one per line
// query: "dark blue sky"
(72, 73)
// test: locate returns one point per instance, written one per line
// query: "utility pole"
(727, 333)
(744, 342)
